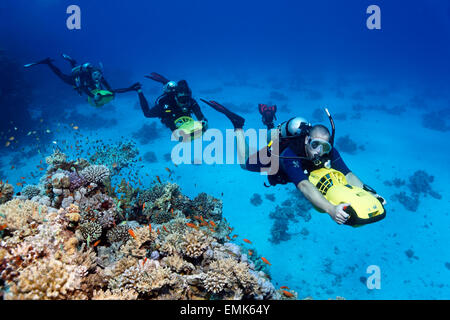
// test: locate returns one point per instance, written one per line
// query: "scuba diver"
(87, 79)
(303, 148)
(175, 106)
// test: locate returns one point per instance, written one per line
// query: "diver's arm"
(353, 180)
(107, 86)
(88, 92)
(64, 77)
(314, 196)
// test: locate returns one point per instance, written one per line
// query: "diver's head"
(318, 142)
(96, 75)
(183, 93)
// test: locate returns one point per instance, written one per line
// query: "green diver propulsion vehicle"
(365, 208)
(105, 97)
(188, 128)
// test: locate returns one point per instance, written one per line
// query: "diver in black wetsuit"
(302, 149)
(84, 78)
(175, 102)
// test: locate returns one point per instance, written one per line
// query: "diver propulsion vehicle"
(188, 129)
(365, 208)
(105, 97)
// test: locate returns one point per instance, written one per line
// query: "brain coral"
(95, 173)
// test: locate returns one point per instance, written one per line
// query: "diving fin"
(268, 114)
(158, 78)
(45, 61)
(238, 121)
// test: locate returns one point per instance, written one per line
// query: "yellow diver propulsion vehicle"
(188, 129)
(105, 97)
(365, 208)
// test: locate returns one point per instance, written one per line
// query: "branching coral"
(6, 192)
(30, 191)
(18, 213)
(48, 279)
(87, 243)
(195, 243)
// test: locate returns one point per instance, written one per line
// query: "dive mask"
(324, 146)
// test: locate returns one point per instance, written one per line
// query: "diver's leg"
(64, 77)
(241, 147)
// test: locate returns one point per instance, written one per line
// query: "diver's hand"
(204, 124)
(137, 86)
(381, 199)
(338, 214)
(97, 97)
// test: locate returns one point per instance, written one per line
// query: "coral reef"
(150, 157)
(95, 174)
(79, 240)
(289, 211)
(256, 199)
(436, 120)
(115, 156)
(147, 133)
(6, 192)
(419, 184)
(346, 144)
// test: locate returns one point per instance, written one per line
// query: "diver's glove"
(97, 97)
(137, 87)
(381, 199)
(204, 124)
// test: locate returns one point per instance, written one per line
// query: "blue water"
(390, 88)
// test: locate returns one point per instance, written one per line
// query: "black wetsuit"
(293, 163)
(81, 80)
(168, 110)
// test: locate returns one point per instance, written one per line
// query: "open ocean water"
(388, 90)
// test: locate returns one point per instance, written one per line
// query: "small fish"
(168, 170)
(171, 211)
(41, 168)
(212, 223)
(266, 261)
(250, 253)
(288, 294)
(143, 207)
(11, 138)
(7, 144)
(248, 241)
(131, 232)
(96, 243)
(228, 238)
(159, 180)
(284, 287)
(192, 225)
(12, 167)
(235, 236)
(23, 178)
(150, 227)
(3, 226)
(75, 128)
(143, 262)
(164, 227)
(19, 184)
